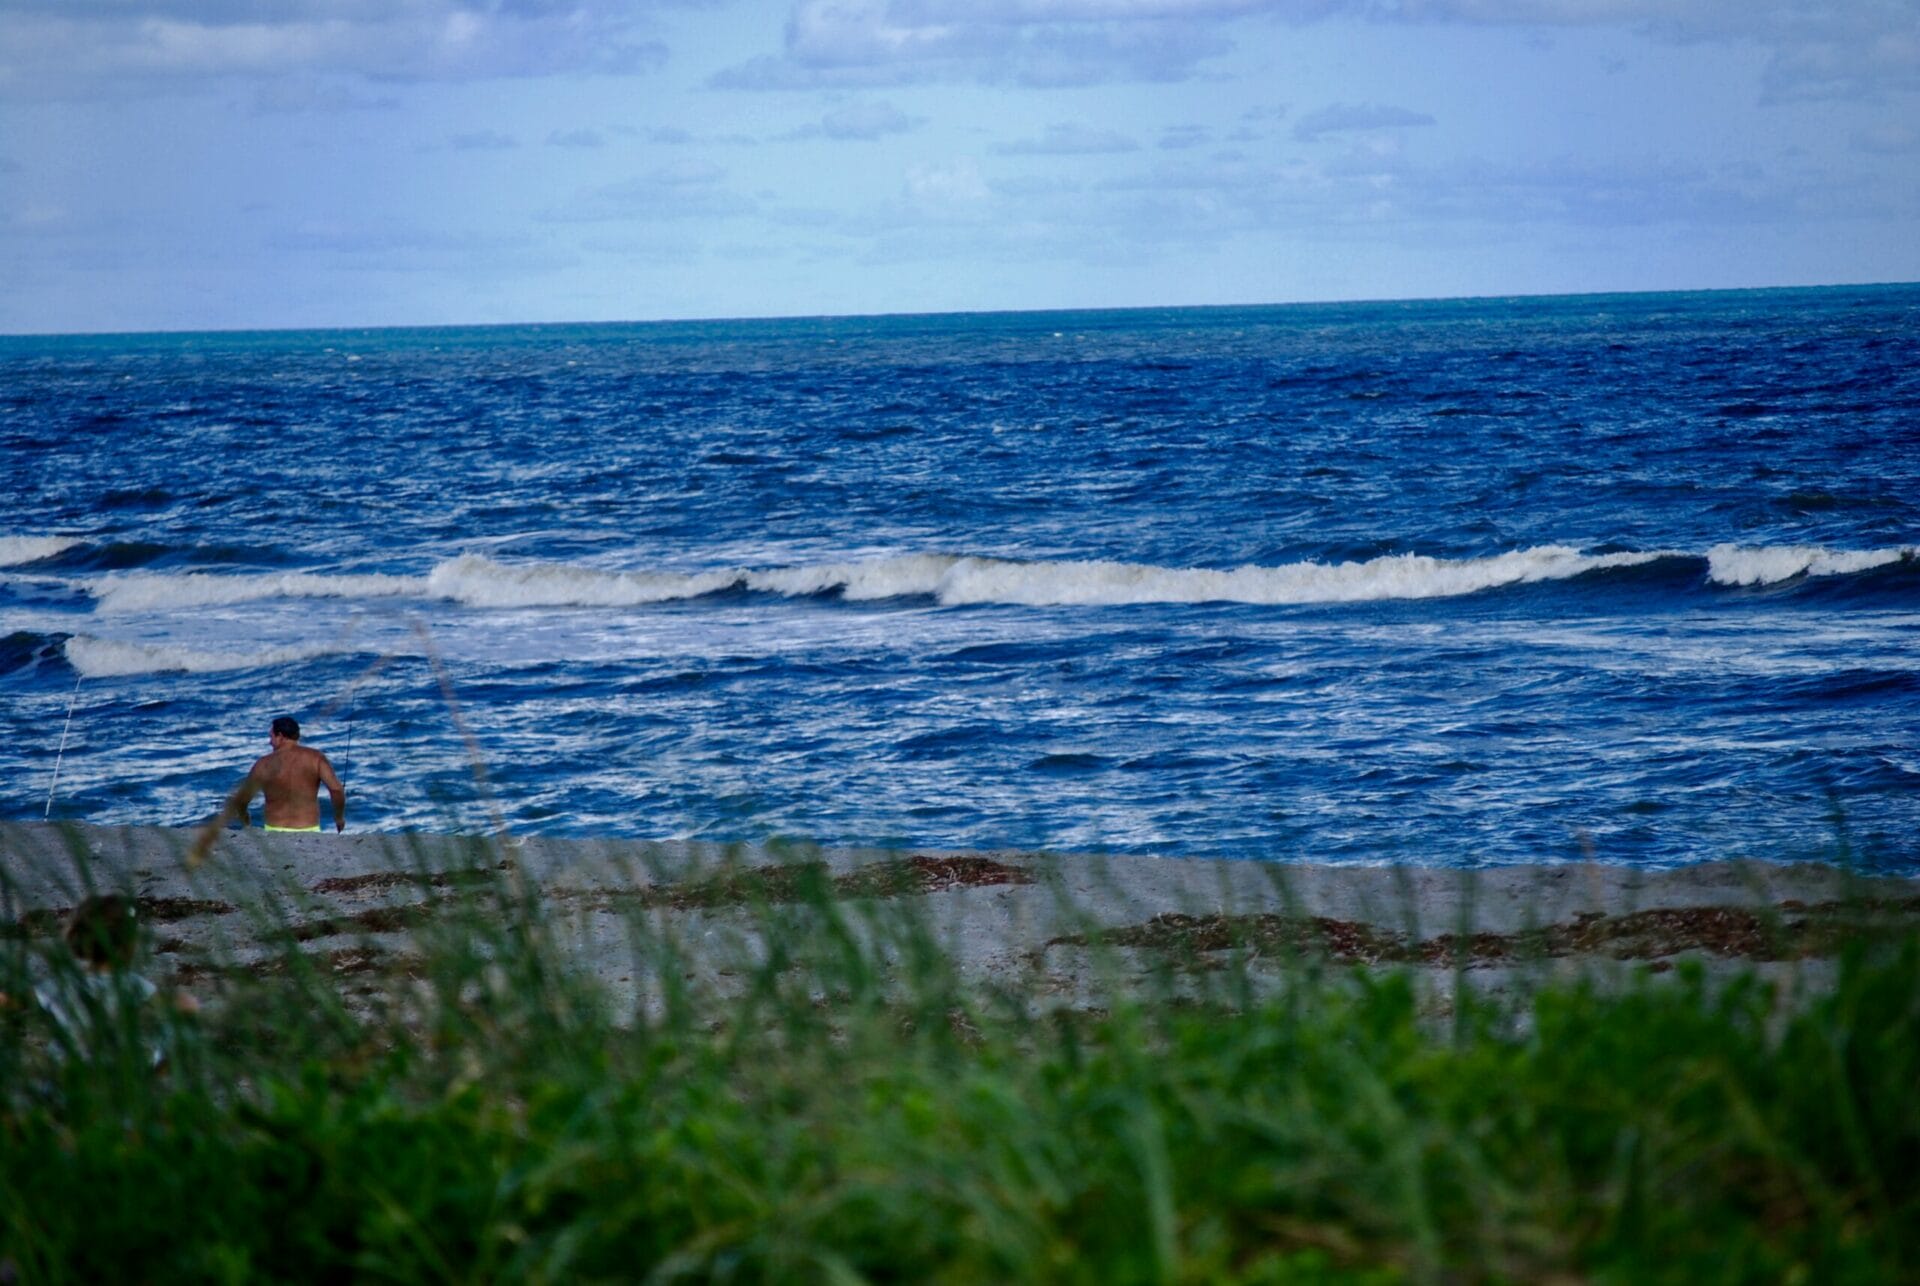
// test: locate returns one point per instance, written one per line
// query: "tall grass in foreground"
(843, 1107)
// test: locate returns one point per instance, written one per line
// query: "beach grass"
(824, 1097)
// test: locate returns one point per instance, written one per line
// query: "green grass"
(845, 1108)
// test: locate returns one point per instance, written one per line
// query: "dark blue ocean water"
(1630, 577)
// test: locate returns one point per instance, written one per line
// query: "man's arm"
(240, 798)
(337, 791)
(235, 806)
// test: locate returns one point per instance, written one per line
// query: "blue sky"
(187, 164)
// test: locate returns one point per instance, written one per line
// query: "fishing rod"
(353, 692)
(48, 814)
(353, 704)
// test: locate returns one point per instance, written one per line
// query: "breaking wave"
(966, 581)
(1769, 565)
(158, 591)
(479, 581)
(475, 580)
(105, 658)
(1398, 576)
(15, 550)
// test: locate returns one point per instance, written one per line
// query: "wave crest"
(1769, 565)
(478, 581)
(908, 576)
(15, 550)
(159, 591)
(1395, 576)
(957, 581)
(106, 658)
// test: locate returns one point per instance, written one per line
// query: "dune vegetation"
(842, 1105)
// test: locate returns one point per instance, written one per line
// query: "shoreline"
(1063, 924)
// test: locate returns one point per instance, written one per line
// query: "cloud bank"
(1856, 49)
(1860, 49)
(862, 122)
(103, 48)
(1343, 119)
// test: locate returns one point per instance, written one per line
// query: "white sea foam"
(476, 580)
(106, 658)
(31, 549)
(956, 581)
(1399, 576)
(1769, 565)
(161, 591)
(903, 577)
(479, 581)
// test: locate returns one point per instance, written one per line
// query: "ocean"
(1631, 578)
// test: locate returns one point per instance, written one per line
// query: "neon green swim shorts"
(294, 830)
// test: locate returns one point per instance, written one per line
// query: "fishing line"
(63, 747)
(352, 698)
(340, 641)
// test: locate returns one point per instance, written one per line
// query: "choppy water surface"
(1629, 577)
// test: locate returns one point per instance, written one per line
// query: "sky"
(216, 164)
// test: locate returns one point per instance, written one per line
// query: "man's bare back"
(290, 777)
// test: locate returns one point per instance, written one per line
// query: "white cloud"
(388, 246)
(1028, 186)
(484, 140)
(1178, 138)
(1011, 12)
(296, 94)
(688, 189)
(861, 122)
(78, 48)
(1849, 48)
(106, 49)
(1343, 118)
(40, 219)
(1843, 49)
(948, 185)
(1070, 140)
(868, 120)
(1864, 62)
(1361, 190)
(829, 33)
(676, 136)
(1573, 192)
(871, 43)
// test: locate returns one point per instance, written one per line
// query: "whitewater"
(1617, 578)
(476, 580)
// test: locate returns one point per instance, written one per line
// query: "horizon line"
(737, 319)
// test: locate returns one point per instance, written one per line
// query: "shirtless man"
(290, 778)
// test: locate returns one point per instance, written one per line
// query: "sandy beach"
(1065, 926)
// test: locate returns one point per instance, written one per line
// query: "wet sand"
(1060, 926)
